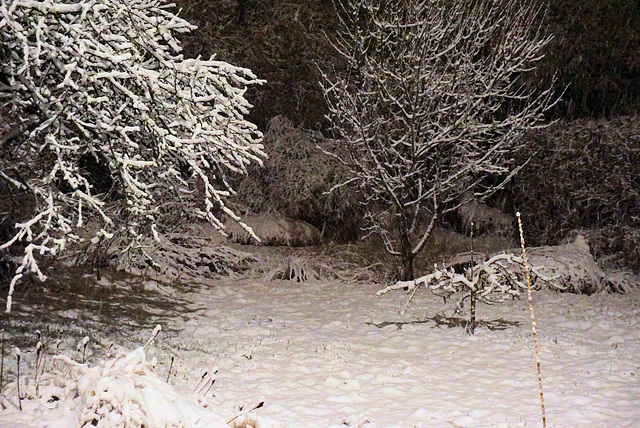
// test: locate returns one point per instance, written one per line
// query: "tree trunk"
(407, 267)
(406, 252)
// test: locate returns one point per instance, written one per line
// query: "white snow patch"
(330, 354)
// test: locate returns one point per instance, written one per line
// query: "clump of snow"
(120, 392)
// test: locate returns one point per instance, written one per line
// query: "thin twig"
(244, 412)
(39, 355)
(85, 342)
(155, 332)
(210, 386)
(200, 381)
(413, 293)
(207, 382)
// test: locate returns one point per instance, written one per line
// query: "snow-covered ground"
(331, 354)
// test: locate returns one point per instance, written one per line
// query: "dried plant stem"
(210, 386)
(210, 381)
(246, 410)
(18, 353)
(39, 356)
(170, 367)
(2, 363)
(200, 381)
(155, 332)
(533, 321)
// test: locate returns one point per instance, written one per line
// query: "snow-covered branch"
(569, 267)
(103, 84)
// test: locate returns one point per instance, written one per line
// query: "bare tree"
(432, 104)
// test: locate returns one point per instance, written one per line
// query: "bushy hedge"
(585, 175)
(295, 180)
(594, 56)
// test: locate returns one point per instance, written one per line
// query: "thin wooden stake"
(533, 321)
(472, 309)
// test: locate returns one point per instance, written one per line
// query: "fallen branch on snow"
(569, 267)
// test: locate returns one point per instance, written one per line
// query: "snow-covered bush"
(104, 121)
(567, 268)
(120, 392)
(296, 178)
(274, 230)
(185, 258)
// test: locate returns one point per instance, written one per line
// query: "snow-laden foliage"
(103, 119)
(433, 105)
(274, 230)
(295, 181)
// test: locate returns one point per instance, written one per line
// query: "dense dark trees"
(595, 54)
(283, 41)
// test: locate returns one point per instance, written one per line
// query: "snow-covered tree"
(102, 120)
(432, 105)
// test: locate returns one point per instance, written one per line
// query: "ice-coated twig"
(155, 332)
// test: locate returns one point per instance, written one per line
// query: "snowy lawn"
(331, 354)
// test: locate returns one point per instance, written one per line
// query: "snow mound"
(568, 267)
(273, 231)
(121, 392)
